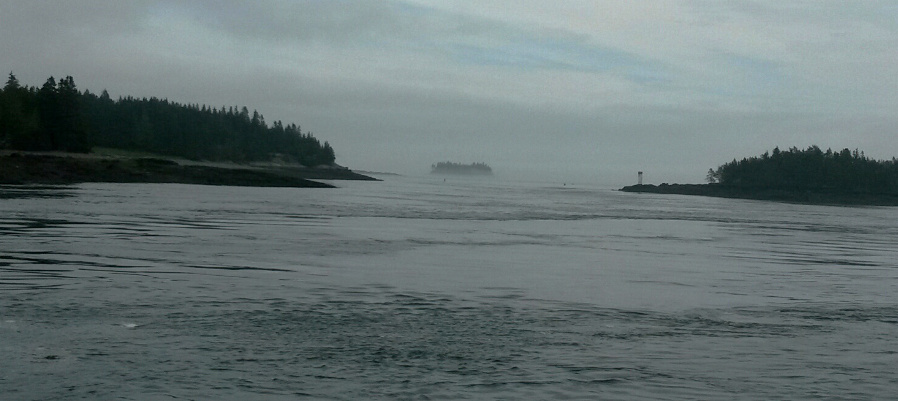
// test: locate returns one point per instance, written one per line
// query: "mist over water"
(419, 288)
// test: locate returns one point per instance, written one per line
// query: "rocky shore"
(20, 168)
(818, 197)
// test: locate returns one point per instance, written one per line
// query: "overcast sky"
(573, 90)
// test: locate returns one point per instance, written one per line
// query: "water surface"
(415, 288)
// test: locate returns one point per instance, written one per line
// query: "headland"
(57, 168)
(811, 176)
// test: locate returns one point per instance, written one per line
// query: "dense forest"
(811, 169)
(58, 117)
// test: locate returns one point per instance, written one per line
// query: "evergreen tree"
(812, 170)
(11, 113)
(71, 135)
(57, 117)
(327, 154)
(48, 113)
(713, 177)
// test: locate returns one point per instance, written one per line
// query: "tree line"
(451, 167)
(811, 169)
(58, 117)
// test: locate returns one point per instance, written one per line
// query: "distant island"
(458, 168)
(47, 135)
(809, 176)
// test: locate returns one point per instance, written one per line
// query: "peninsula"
(54, 168)
(49, 135)
(811, 176)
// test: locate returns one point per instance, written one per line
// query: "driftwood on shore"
(42, 169)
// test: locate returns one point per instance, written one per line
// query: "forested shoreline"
(59, 117)
(806, 176)
(810, 169)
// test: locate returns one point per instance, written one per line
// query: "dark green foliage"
(58, 117)
(48, 118)
(811, 170)
(19, 122)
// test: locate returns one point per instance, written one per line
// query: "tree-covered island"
(458, 168)
(804, 176)
(57, 117)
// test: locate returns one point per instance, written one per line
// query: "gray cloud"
(583, 89)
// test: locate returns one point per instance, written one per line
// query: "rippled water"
(414, 288)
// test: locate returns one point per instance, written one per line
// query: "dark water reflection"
(34, 192)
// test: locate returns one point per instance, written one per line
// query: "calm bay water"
(415, 288)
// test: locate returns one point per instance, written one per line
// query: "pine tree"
(72, 136)
(18, 119)
(713, 177)
(48, 112)
(12, 83)
(10, 111)
(327, 154)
